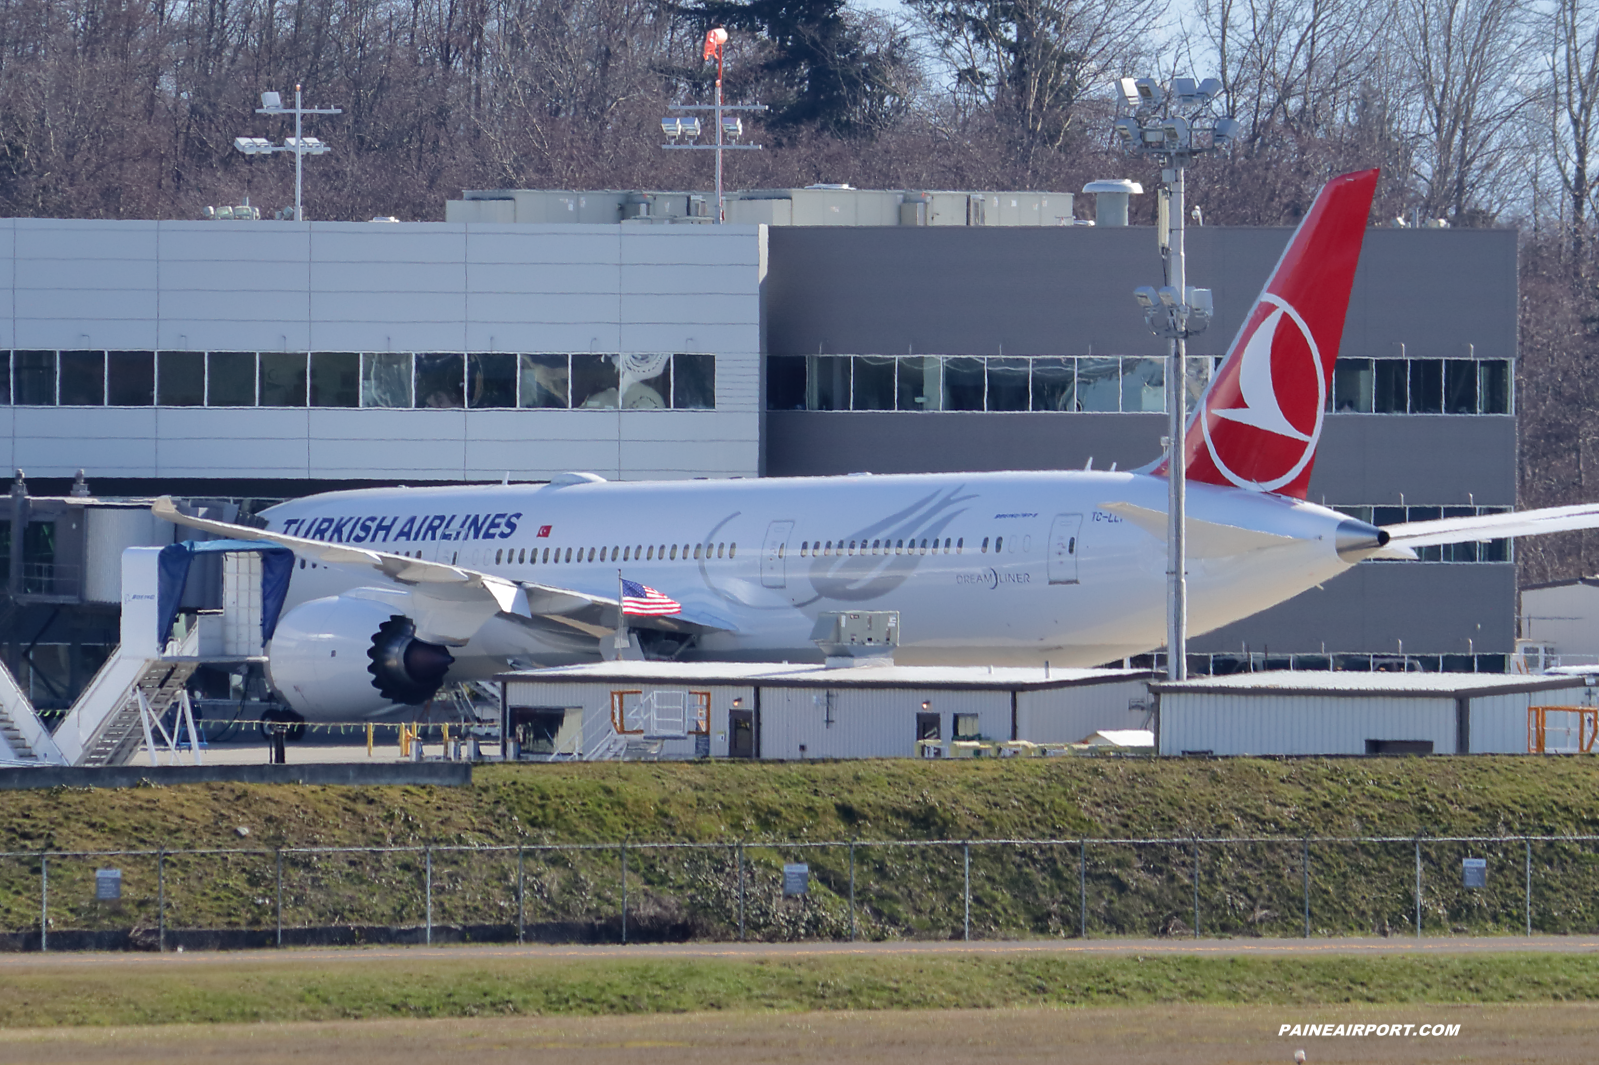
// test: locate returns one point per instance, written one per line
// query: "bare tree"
(1469, 62)
(1031, 63)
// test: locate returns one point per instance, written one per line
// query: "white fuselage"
(1002, 568)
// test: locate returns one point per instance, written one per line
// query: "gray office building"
(831, 331)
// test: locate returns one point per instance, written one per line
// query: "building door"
(773, 571)
(1063, 544)
(741, 734)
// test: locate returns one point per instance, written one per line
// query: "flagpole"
(619, 641)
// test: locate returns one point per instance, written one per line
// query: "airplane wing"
(1494, 526)
(453, 602)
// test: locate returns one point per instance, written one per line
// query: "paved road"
(1079, 948)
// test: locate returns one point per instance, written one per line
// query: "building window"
(180, 378)
(966, 727)
(283, 379)
(230, 379)
(491, 380)
(545, 380)
(693, 382)
(392, 380)
(440, 381)
(595, 382)
(385, 379)
(35, 376)
(335, 379)
(82, 378)
(929, 726)
(130, 378)
(1108, 384)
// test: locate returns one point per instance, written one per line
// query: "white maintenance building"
(1315, 713)
(796, 711)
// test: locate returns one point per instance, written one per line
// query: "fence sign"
(107, 884)
(1474, 872)
(796, 879)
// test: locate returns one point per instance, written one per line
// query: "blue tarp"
(277, 564)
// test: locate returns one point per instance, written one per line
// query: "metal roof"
(816, 675)
(1343, 683)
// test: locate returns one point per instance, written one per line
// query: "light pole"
(1173, 127)
(300, 145)
(675, 127)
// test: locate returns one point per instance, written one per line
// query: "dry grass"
(1195, 1035)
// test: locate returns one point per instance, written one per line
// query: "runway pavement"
(1394, 945)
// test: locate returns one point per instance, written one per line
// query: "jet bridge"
(121, 709)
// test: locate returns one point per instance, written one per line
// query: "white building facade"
(328, 351)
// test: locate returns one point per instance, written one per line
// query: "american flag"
(642, 599)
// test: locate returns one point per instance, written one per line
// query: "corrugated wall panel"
(868, 722)
(1068, 715)
(1296, 724)
(1499, 722)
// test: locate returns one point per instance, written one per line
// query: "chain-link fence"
(788, 891)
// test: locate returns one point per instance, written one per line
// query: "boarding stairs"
(121, 709)
(106, 725)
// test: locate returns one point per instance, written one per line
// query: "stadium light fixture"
(299, 144)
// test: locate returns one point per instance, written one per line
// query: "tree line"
(1480, 112)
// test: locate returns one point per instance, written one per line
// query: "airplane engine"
(342, 658)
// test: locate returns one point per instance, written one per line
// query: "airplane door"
(773, 567)
(1063, 548)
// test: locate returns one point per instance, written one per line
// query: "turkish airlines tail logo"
(1258, 423)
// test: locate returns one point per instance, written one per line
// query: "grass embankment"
(246, 991)
(1250, 889)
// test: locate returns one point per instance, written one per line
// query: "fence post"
(521, 897)
(966, 861)
(852, 891)
(427, 876)
(1307, 886)
(741, 890)
(161, 899)
(1418, 888)
(1528, 842)
(280, 896)
(1196, 887)
(1082, 888)
(44, 903)
(624, 892)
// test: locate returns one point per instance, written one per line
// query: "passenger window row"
(640, 553)
(634, 381)
(821, 549)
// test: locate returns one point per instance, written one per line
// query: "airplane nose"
(1356, 540)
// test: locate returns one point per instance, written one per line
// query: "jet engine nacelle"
(342, 658)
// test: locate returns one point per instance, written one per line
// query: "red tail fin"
(1260, 420)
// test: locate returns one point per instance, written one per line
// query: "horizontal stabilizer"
(1205, 539)
(1494, 526)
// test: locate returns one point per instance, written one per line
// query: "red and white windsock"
(714, 40)
(1258, 423)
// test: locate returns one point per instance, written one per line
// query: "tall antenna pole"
(299, 153)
